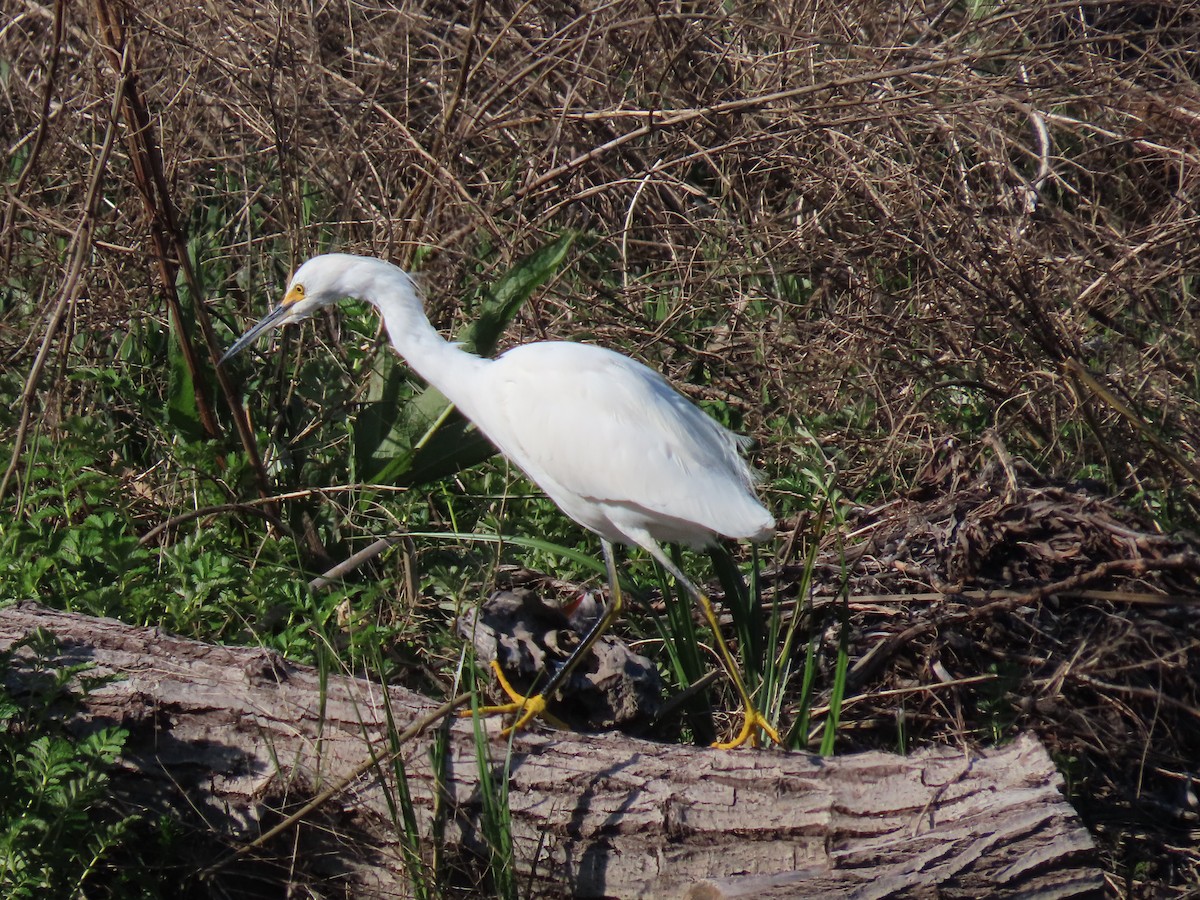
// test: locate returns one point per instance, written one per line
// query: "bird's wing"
(589, 424)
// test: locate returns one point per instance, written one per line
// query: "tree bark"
(231, 739)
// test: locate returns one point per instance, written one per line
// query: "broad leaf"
(182, 412)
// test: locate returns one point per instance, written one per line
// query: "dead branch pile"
(934, 206)
(994, 600)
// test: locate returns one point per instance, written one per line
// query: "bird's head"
(318, 283)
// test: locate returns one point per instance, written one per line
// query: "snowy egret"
(607, 438)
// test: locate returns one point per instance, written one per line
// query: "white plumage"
(616, 447)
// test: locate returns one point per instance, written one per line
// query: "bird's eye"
(294, 295)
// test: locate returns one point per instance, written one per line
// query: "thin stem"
(710, 615)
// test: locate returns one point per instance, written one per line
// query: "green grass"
(495, 814)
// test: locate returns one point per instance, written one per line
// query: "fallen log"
(231, 739)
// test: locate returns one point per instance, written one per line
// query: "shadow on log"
(232, 739)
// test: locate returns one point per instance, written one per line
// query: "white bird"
(607, 438)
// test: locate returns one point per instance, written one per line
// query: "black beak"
(266, 323)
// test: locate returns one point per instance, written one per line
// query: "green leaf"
(506, 297)
(182, 412)
(452, 446)
(380, 431)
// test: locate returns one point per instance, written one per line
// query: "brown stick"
(78, 253)
(170, 245)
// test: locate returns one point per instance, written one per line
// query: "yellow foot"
(526, 709)
(754, 721)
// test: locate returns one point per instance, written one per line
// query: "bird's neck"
(440, 363)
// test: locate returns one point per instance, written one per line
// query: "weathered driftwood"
(229, 737)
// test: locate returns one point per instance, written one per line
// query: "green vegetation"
(891, 245)
(496, 818)
(61, 833)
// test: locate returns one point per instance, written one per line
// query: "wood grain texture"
(228, 737)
